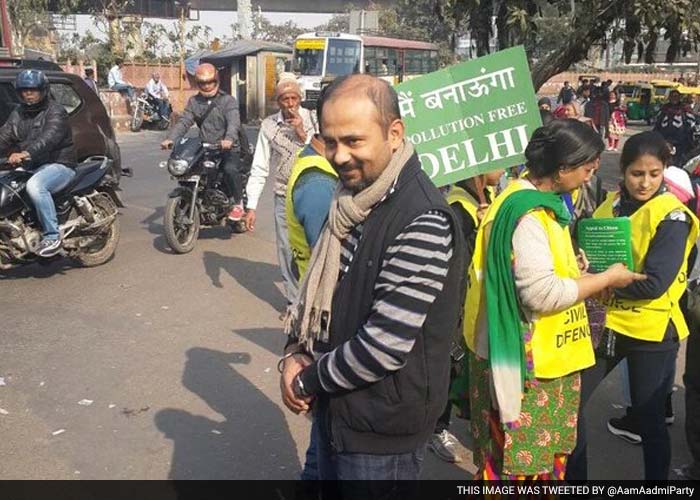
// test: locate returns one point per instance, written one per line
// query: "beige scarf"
(316, 290)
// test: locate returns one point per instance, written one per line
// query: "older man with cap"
(217, 116)
(157, 91)
(281, 136)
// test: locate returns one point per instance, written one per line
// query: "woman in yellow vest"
(644, 321)
(463, 197)
(526, 323)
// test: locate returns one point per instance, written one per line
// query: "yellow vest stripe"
(648, 319)
(301, 251)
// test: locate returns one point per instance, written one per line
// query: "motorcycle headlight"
(177, 167)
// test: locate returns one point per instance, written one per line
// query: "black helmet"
(32, 79)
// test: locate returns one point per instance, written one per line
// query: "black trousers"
(235, 174)
(651, 380)
(691, 379)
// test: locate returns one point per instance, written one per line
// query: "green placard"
(606, 242)
(471, 118)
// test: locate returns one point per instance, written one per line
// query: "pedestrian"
(598, 110)
(676, 123)
(644, 322)
(280, 137)
(310, 188)
(469, 200)
(618, 122)
(566, 94)
(544, 104)
(116, 81)
(379, 302)
(217, 116)
(526, 290)
(90, 79)
(583, 99)
(158, 92)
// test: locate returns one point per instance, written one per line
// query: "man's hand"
(166, 144)
(225, 144)
(250, 219)
(17, 158)
(295, 121)
(293, 365)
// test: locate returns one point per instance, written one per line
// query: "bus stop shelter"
(249, 70)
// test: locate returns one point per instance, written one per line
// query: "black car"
(92, 128)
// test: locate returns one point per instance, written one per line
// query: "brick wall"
(554, 84)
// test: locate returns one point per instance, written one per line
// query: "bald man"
(220, 125)
(377, 373)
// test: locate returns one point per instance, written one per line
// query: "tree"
(263, 29)
(581, 24)
(27, 16)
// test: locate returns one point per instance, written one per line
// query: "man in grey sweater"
(220, 125)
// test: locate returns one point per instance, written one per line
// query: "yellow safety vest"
(301, 250)
(465, 200)
(561, 342)
(648, 319)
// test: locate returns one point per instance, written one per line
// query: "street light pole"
(183, 7)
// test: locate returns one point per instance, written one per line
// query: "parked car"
(92, 130)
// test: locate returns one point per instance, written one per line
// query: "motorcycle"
(200, 198)
(87, 210)
(146, 110)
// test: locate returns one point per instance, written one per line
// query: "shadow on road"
(257, 277)
(154, 225)
(253, 440)
(41, 269)
(272, 339)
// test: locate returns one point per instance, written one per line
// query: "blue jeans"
(284, 250)
(48, 179)
(310, 471)
(362, 475)
(123, 88)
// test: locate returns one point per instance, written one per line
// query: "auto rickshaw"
(690, 95)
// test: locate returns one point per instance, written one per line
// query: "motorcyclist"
(158, 92)
(677, 123)
(38, 137)
(221, 125)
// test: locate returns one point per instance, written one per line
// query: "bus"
(319, 57)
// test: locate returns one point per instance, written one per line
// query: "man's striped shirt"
(413, 272)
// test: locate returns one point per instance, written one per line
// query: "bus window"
(343, 57)
(308, 57)
(370, 60)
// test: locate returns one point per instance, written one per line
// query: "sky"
(219, 21)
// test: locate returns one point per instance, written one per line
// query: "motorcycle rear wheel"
(137, 118)
(107, 244)
(181, 235)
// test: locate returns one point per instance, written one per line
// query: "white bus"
(320, 57)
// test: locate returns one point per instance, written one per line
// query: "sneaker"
(48, 248)
(625, 428)
(236, 213)
(443, 445)
(669, 415)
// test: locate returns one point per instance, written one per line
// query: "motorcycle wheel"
(137, 119)
(104, 248)
(163, 124)
(181, 236)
